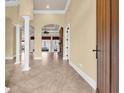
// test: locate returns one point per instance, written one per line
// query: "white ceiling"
(53, 4)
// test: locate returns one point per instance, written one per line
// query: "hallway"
(51, 75)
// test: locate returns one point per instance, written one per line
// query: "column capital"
(18, 25)
(26, 17)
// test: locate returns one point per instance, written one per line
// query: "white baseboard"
(7, 90)
(9, 58)
(64, 58)
(89, 80)
(37, 58)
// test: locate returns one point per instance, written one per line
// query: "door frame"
(108, 27)
(66, 43)
(61, 31)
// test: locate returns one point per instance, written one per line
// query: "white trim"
(7, 90)
(53, 11)
(27, 18)
(49, 11)
(16, 3)
(64, 58)
(26, 69)
(37, 58)
(9, 58)
(89, 80)
(66, 51)
(11, 3)
(67, 5)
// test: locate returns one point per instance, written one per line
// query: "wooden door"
(103, 45)
(107, 46)
(114, 46)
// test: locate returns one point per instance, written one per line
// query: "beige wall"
(83, 35)
(82, 17)
(11, 20)
(26, 8)
(9, 44)
(39, 21)
(12, 13)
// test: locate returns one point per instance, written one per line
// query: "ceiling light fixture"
(47, 6)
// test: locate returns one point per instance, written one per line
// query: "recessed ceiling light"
(47, 6)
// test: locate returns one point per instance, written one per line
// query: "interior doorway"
(52, 39)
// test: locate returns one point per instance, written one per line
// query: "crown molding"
(15, 3)
(67, 5)
(53, 11)
(11, 3)
(49, 12)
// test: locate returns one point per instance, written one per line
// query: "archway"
(52, 39)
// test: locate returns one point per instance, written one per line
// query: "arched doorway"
(52, 39)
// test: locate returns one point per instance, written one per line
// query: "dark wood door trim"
(46, 37)
(56, 37)
(61, 40)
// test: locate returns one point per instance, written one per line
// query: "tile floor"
(51, 75)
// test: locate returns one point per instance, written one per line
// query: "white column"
(17, 44)
(7, 90)
(26, 38)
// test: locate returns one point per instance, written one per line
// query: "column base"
(37, 58)
(16, 63)
(7, 90)
(26, 69)
(65, 58)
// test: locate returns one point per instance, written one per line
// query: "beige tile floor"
(51, 75)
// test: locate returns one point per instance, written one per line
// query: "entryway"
(93, 51)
